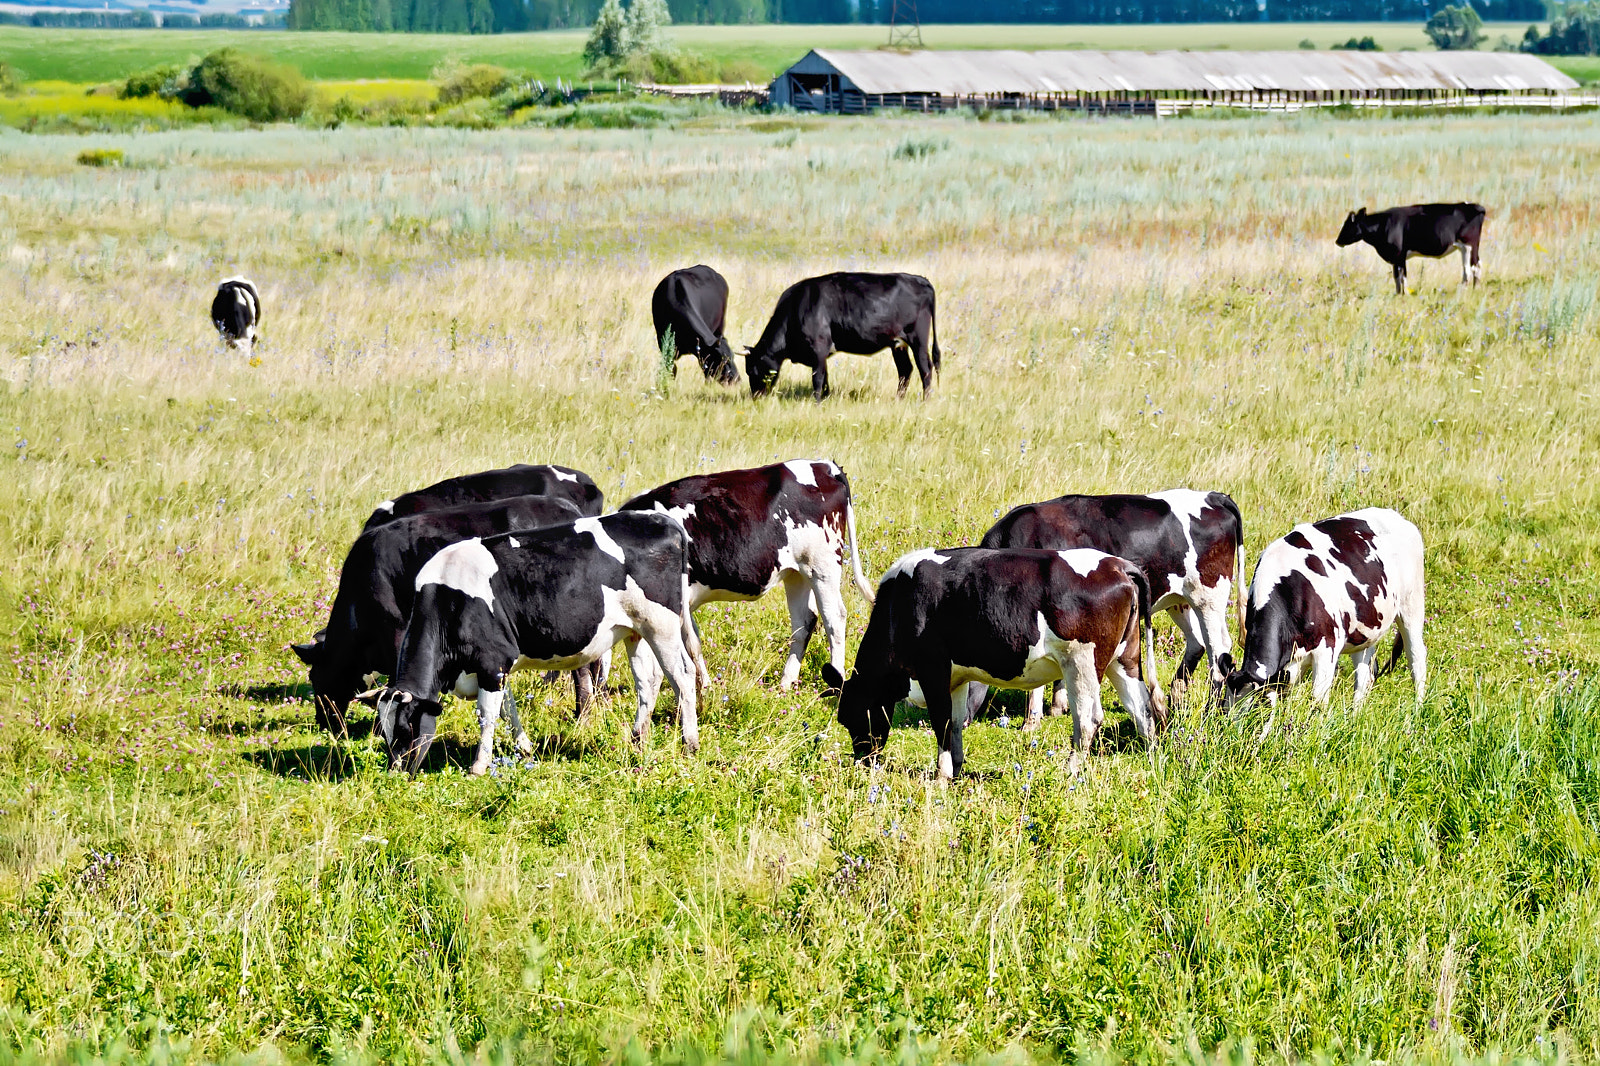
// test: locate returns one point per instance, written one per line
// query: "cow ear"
(1361, 212)
(1225, 663)
(310, 653)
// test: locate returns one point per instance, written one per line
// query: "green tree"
(608, 40)
(1455, 28)
(647, 22)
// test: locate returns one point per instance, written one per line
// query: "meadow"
(191, 871)
(91, 56)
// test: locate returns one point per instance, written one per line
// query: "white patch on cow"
(465, 566)
(387, 507)
(466, 686)
(802, 471)
(562, 475)
(1084, 561)
(910, 561)
(679, 514)
(602, 539)
(514, 542)
(620, 609)
(915, 696)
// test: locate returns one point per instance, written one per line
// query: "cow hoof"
(524, 745)
(1030, 725)
(692, 746)
(478, 769)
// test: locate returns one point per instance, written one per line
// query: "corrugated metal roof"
(962, 73)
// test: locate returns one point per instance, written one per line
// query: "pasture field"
(189, 869)
(89, 56)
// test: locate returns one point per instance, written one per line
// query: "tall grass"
(1122, 306)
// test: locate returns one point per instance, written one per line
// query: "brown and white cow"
(1333, 588)
(1188, 544)
(752, 530)
(945, 618)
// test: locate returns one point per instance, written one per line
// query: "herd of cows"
(452, 587)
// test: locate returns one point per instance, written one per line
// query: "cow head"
(407, 723)
(866, 705)
(718, 365)
(1240, 685)
(761, 367)
(1354, 228)
(332, 687)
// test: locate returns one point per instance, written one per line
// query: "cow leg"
(1211, 614)
(1477, 268)
(1324, 669)
(935, 681)
(902, 365)
(918, 342)
(646, 684)
(1400, 278)
(488, 718)
(582, 691)
(665, 638)
(601, 668)
(1462, 248)
(1194, 648)
(802, 623)
(524, 745)
(1083, 692)
(977, 691)
(827, 587)
(1362, 662)
(1416, 651)
(1035, 710)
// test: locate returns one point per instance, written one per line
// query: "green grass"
(105, 55)
(181, 851)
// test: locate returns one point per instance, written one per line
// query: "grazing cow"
(521, 480)
(848, 312)
(1189, 545)
(549, 599)
(1333, 588)
(1433, 230)
(1012, 618)
(236, 312)
(693, 304)
(376, 587)
(750, 530)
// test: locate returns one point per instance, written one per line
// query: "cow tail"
(933, 333)
(1238, 562)
(862, 584)
(1147, 633)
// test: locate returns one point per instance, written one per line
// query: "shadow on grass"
(281, 693)
(330, 763)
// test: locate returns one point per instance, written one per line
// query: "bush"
(100, 157)
(179, 21)
(1308, 44)
(164, 81)
(470, 83)
(1365, 44)
(248, 86)
(11, 79)
(1455, 29)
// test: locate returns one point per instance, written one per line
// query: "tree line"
(509, 16)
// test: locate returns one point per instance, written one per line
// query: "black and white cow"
(524, 479)
(1333, 588)
(550, 599)
(1011, 618)
(1189, 545)
(236, 312)
(848, 312)
(693, 304)
(377, 585)
(752, 530)
(1432, 230)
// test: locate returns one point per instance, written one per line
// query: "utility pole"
(905, 29)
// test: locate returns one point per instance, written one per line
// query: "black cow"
(236, 312)
(1333, 588)
(750, 530)
(1190, 546)
(549, 599)
(1016, 619)
(377, 585)
(693, 304)
(848, 312)
(523, 479)
(1433, 230)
